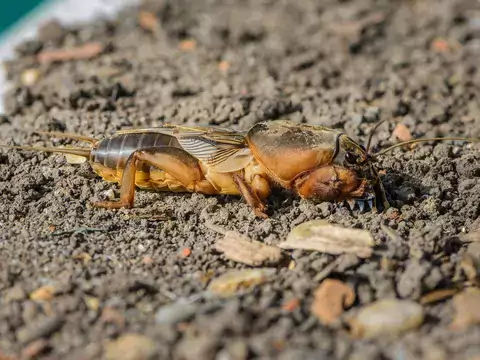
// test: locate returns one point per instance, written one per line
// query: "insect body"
(316, 163)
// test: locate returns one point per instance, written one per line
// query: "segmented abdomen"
(113, 152)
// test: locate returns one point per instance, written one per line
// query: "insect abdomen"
(113, 152)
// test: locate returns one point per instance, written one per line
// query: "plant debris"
(148, 21)
(242, 249)
(331, 298)
(467, 309)
(84, 52)
(239, 281)
(386, 317)
(44, 293)
(319, 235)
(437, 295)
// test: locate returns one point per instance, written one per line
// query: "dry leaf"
(386, 317)
(437, 295)
(85, 51)
(321, 236)
(331, 298)
(241, 249)
(402, 133)
(236, 281)
(467, 309)
(44, 293)
(149, 21)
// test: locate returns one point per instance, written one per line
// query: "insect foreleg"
(250, 195)
(329, 183)
(174, 161)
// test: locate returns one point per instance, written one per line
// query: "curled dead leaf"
(321, 236)
(241, 249)
(331, 298)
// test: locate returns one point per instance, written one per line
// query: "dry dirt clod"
(241, 249)
(331, 298)
(386, 317)
(467, 309)
(130, 347)
(322, 236)
(86, 51)
(236, 281)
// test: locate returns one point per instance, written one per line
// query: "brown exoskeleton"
(315, 162)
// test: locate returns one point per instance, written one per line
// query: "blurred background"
(19, 20)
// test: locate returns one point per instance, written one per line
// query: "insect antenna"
(68, 136)
(414, 141)
(71, 151)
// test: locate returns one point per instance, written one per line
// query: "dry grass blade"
(321, 236)
(86, 51)
(437, 295)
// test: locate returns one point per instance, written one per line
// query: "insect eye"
(351, 158)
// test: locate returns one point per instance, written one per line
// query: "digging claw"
(370, 203)
(351, 204)
(361, 205)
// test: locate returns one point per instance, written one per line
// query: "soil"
(342, 64)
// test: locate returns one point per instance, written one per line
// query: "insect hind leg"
(174, 161)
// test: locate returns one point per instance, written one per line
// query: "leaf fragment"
(467, 309)
(244, 250)
(386, 317)
(319, 235)
(239, 281)
(331, 298)
(83, 52)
